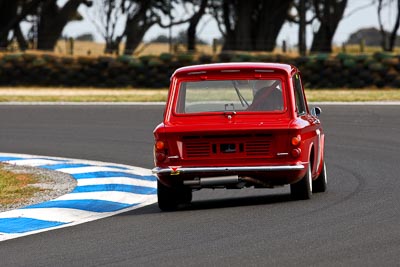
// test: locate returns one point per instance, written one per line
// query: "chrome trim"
(230, 169)
(282, 154)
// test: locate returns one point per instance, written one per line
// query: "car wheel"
(169, 198)
(185, 195)
(320, 184)
(303, 188)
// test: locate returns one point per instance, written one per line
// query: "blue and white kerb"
(103, 189)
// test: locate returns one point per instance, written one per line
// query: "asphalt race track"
(355, 223)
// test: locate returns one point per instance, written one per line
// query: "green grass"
(15, 188)
(353, 95)
(85, 98)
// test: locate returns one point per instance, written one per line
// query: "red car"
(235, 125)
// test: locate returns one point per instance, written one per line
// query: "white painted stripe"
(149, 201)
(33, 162)
(50, 214)
(129, 168)
(90, 169)
(114, 196)
(116, 180)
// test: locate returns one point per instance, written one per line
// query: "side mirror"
(316, 111)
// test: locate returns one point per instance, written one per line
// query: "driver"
(267, 96)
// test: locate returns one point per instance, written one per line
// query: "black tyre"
(185, 195)
(302, 189)
(169, 198)
(320, 184)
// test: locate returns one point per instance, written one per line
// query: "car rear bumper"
(212, 177)
(227, 170)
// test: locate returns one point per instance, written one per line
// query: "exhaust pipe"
(236, 182)
(212, 181)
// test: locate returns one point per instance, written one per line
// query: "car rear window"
(230, 95)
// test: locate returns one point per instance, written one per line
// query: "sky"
(365, 17)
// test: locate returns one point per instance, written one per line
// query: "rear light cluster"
(295, 142)
(160, 152)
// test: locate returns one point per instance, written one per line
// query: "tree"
(141, 18)
(251, 25)
(53, 19)
(329, 13)
(145, 14)
(388, 39)
(193, 22)
(11, 14)
(300, 7)
(106, 16)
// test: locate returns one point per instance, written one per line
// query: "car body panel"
(202, 140)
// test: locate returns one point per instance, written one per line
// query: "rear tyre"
(319, 185)
(169, 198)
(185, 195)
(302, 189)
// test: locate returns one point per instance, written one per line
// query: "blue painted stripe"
(103, 174)
(83, 204)
(64, 166)
(115, 187)
(9, 158)
(22, 225)
(18, 158)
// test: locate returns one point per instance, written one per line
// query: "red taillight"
(160, 156)
(296, 152)
(160, 145)
(160, 151)
(296, 140)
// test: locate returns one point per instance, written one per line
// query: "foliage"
(319, 71)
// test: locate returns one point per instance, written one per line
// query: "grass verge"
(160, 95)
(353, 95)
(16, 187)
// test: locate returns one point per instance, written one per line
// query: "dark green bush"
(319, 71)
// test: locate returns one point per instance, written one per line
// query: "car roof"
(197, 69)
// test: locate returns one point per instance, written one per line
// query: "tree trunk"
(229, 43)
(8, 10)
(53, 20)
(393, 34)
(253, 25)
(381, 29)
(273, 16)
(136, 27)
(134, 36)
(332, 14)
(322, 40)
(22, 43)
(302, 28)
(244, 39)
(194, 21)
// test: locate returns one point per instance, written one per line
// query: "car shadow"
(216, 204)
(237, 202)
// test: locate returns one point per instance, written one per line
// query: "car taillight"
(296, 152)
(160, 145)
(160, 151)
(296, 140)
(160, 156)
